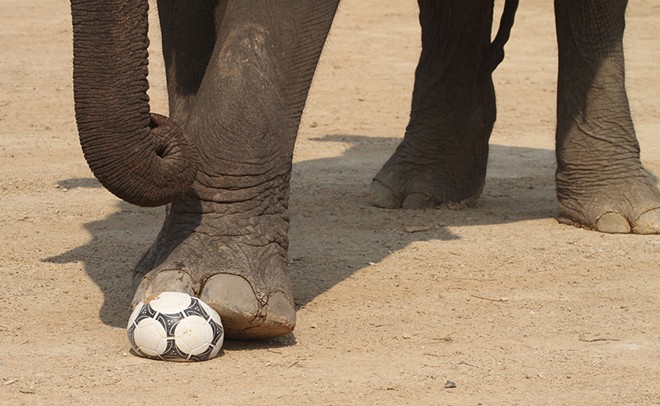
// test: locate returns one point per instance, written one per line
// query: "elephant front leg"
(601, 184)
(443, 155)
(226, 240)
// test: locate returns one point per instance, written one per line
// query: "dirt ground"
(511, 306)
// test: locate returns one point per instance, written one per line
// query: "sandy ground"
(500, 299)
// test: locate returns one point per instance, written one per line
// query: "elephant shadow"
(334, 231)
(329, 201)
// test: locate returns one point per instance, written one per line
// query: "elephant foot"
(633, 207)
(243, 275)
(414, 180)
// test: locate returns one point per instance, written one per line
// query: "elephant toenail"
(417, 201)
(233, 298)
(648, 223)
(164, 281)
(382, 196)
(280, 311)
(613, 223)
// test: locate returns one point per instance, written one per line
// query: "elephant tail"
(495, 53)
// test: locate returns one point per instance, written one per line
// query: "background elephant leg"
(600, 180)
(443, 155)
(238, 84)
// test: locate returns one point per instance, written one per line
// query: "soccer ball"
(175, 326)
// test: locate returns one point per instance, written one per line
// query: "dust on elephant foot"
(410, 181)
(243, 276)
(633, 207)
(235, 300)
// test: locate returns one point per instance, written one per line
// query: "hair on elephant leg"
(442, 158)
(601, 184)
(496, 51)
(226, 239)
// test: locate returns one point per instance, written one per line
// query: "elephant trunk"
(142, 158)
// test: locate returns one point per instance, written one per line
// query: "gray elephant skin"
(238, 74)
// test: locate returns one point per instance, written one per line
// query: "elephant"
(238, 74)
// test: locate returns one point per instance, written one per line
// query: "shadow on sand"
(332, 192)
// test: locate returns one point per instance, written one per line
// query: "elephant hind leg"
(601, 184)
(443, 155)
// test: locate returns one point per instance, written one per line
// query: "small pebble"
(450, 385)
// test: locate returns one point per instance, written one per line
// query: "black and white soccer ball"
(175, 326)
